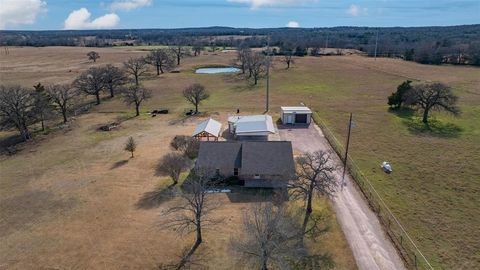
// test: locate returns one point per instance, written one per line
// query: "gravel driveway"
(371, 247)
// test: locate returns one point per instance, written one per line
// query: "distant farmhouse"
(266, 164)
(251, 127)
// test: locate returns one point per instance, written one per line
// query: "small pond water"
(217, 70)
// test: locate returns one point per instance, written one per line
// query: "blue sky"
(107, 14)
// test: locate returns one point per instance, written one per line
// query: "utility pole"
(376, 45)
(326, 44)
(346, 150)
(268, 75)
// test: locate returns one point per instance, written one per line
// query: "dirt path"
(370, 246)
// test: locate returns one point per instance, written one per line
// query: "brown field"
(73, 199)
(434, 190)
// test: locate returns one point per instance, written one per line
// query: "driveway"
(371, 247)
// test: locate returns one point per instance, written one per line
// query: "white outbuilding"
(296, 115)
(251, 127)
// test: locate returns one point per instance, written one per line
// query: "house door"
(290, 118)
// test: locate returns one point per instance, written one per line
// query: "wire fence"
(413, 257)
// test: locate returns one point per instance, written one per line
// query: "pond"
(217, 70)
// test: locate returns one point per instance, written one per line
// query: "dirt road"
(370, 246)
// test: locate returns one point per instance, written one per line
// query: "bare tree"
(93, 55)
(114, 78)
(288, 53)
(172, 165)
(17, 109)
(243, 56)
(195, 94)
(91, 82)
(136, 95)
(315, 176)
(192, 214)
(161, 59)
(130, 145)
(197, 48)
(62, 96)
(42, 105)
(136, 67)
(180, 52)
(257, 64)
(270, 238)
(436, 96)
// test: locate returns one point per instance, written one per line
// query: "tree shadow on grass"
(119, 164)
(404, 113)
(435, 128)
(155, 198)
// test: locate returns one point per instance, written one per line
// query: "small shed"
(208, 129)
(296, 115)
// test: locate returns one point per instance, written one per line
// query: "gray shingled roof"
(268, 157)
(263, 157)
(219, 155)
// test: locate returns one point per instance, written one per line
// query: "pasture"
(74, 199)
(87, 210)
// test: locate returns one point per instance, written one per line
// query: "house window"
(235, 171)
(257, 176)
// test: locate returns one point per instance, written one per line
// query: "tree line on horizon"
(426, 45)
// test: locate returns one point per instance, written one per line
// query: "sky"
(131, 14)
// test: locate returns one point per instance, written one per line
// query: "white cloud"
(293, 24)
(14, 12)
(80, 19)
(355, 11)
(129, 4)
(255, 4)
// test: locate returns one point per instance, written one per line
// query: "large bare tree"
(197, 48)
(93, 55)
(114, 78)
(172, 165)
(195, 94)
(91, 82)
(433, 96)
(136, 67)
(257, 65)
(17, 109)
(135, 95)
(161, 59)
(62, 96)
(270, 239)
(192, 213)
(180, 52)
(315, 176)
(243, 55)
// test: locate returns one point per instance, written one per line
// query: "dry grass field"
(73, 199)
(61, 193)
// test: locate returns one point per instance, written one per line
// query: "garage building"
(296, 115)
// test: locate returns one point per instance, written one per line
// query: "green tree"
(131, 145)
(395, 100)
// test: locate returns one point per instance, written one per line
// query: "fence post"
(415, 255)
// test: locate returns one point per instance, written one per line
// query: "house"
(251, 127)
(296, 115)
(208, 129)
(265, 164)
